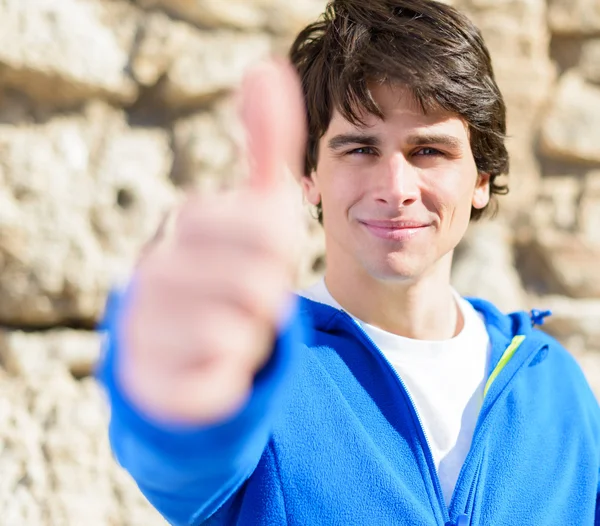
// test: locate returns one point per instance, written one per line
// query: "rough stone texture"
(191, 66)
(574, 17)
(575, 324)
(557, 203)
(28, 354)
(560, 263)
(239, 14)
(589, 210)
(571, 130)
(590, 60)
(67, 50)
(78, 196)
(518, 39)
(206, 147)
(280, 16)
(56, 464)
(484, 267)
(311, 265)
(573, 321)
(590, 363)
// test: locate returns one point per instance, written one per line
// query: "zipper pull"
(462, 520)
(538, 316)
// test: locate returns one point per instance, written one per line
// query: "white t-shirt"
(445, 380)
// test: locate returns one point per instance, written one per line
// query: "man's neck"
(424, 309)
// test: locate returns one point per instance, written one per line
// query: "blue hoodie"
(329, 436)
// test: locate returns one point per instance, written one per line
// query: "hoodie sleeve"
(597, 516)
(187, 473)
(596, 413)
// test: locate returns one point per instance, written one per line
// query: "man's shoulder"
(561, 357)
(531, 326)
(559, 370)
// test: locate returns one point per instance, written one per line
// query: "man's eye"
(428, 152)
(364, 150)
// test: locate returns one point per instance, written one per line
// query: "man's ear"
(310, 188)
(481, 196)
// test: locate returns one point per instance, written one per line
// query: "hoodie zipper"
(479, 426)
(427, 449)
(445, 510)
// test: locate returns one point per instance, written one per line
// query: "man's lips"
(401, 230)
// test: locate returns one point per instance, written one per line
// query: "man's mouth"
(395, 230)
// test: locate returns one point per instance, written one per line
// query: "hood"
(502, 328)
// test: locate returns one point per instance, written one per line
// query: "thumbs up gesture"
(205, 303)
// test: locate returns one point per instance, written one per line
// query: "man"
(380, 397)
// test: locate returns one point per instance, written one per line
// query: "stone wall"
(109, 109)
(543, 250)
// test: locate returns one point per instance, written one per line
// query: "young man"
(380, 397)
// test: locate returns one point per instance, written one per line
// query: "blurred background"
(109, 108)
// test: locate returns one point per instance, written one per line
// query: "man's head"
(406, 123)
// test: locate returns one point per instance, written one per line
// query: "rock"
(312, 262)
(590, 60)
(523, 20)
(29, 355)
(24, 482)
(189, 66)
(560, 263)
(54, 454)
(79, 196)
(69, 50)
(557, 206)
(575, 322)
(517, 36)
(589, 210)
(240, 14)
(280, 16)
(484, 267)
(206, 147)
(290, 18)
(571, 129)
(590, 363)
(15, 108)
(77, 459)
(574, 17)
(85, 481)
(565, 51)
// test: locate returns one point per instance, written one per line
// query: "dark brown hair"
(429, 47)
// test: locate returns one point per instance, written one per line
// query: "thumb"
(274, 120)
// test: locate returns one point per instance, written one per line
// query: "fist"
(206, 300)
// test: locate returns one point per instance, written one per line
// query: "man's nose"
(397, 182)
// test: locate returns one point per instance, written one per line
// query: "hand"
(206, 301)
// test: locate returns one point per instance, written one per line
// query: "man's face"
(396, 193)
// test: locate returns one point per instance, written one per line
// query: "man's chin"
(392, 271)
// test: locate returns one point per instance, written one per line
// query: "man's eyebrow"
(345, 139)
(435, 138)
